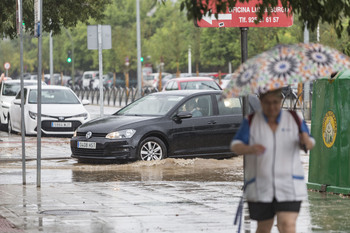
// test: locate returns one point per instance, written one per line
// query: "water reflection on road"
(164, 170)
(329, 212)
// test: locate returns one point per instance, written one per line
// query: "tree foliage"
(311, 11)
(56, 14)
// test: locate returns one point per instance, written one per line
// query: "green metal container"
(329, 162)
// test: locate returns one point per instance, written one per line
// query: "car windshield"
(156, 105)
(228, 76)
(11, 89)
(195, 85)
(54, 96)
(149, 77)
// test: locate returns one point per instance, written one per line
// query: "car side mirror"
(17, 101)
(182, 115)
(85, 102)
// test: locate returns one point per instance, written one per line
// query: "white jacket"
(278, 173)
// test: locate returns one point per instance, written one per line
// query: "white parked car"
(8, 91)
(152, 80)
(61, 111)
(91, 79)
(225, 81)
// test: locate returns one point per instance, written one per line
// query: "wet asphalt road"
(172, 195)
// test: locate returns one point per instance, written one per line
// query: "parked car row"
(191, 83)
(8, 92)
(91, 79)
(152, 80)
(61, 111)
(57, 79)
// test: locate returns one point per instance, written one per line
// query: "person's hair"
(277, 92)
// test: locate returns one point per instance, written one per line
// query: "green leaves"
(56, 14)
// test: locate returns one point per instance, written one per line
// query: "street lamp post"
(138, 35)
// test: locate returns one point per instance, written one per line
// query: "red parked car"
(192, 83)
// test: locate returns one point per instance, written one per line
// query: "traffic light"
(69, 57)
(141, 59)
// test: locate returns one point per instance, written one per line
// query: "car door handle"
(211, 122)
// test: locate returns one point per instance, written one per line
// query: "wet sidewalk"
(79, 199)
(120, 207)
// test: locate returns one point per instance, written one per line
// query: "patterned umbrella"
(284, 65)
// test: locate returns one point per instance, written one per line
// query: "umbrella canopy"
(284, 65)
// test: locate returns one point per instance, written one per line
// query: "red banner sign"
(244, 15)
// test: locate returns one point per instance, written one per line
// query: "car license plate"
(87, 145)
(61, 124)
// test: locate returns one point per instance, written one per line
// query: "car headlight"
(5, 105)
(43, 115)
(32, 115)
(85, 115)
(75, 133)
(127, 133)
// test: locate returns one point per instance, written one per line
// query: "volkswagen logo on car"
(88, 135)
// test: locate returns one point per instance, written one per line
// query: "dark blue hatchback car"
(189, 123)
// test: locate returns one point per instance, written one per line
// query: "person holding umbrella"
(274, 177)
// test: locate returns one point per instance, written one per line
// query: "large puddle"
(163, 170)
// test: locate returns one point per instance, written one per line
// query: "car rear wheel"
(152, 148)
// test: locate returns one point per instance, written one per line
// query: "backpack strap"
(297, 120)
(250, 118)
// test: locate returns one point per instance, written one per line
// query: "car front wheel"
(2, 126)
(152, 148)
(9, 125)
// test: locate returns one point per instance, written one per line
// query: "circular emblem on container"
(329, 129)
(88, 135)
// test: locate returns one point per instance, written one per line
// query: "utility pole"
(138, 35)
(51, 58)
(20, 25)
(38, 9)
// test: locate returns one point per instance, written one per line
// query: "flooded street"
(201, 170)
